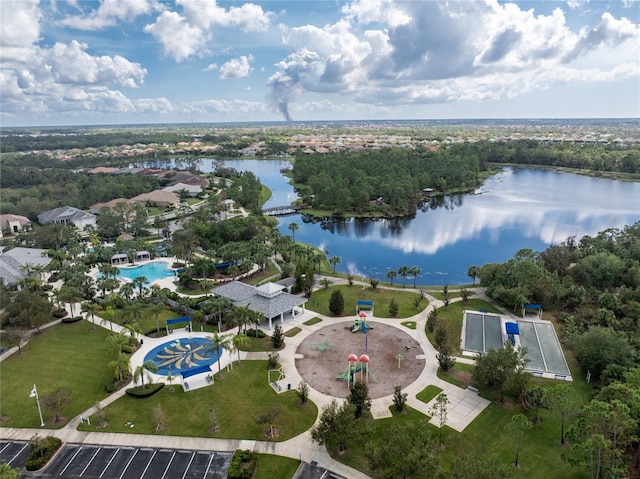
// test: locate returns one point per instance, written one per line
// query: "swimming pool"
(182, 355)
(153, 271)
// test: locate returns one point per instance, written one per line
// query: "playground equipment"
(184, 319)
(361, 323)
(357, 365)
(322, 346)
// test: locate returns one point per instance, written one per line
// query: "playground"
(322, 357)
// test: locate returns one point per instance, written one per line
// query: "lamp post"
(34, 394)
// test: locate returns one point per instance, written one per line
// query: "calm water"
(518, 208)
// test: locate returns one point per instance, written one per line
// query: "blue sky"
(76, 62)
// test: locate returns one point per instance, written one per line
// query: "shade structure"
(364, 358)
(362, 314)
(352, 357)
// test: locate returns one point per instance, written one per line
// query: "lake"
(515, 209)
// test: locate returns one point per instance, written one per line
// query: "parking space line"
(5, 446)
(90, 461)
(208, 466)
(188, 465)
(14, 457)
(128, 463)
(170, 461)
(148, 463)
(70, 461)
(109, 463)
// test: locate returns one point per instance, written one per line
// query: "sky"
(92, 62)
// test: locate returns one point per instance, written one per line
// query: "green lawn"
(270, 467)
(428, 393)
(71, 355)
(451, 319)
(236, 399)
(381, 297)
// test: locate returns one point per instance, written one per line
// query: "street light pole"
(34, 394)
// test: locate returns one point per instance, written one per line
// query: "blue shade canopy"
(512, 328)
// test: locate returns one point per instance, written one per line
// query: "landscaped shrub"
(243, 465)
(150, 390)
(42, 449)
(74, 319)
(252, 333)
(60, 313)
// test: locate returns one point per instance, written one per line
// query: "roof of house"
(103, 169)
(109, 204)
(13, 261)
(183, 186)
(158, 195)
(245, 295)
(67, 213)
(5, 219)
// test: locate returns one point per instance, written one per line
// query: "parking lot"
(112, 462)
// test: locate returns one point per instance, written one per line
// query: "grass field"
(319, 302)
(73, 356)
(236, 399)
(270, 467)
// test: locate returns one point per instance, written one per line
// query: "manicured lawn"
(409, 324)
(270, 467)
(72, 355)
(313, 321)
(292, 332)
(381, 297)
(236, 399)
(451, 319)
(428, 393)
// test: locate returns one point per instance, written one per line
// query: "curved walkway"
(465, 405)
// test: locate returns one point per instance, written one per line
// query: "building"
(270, 299)
(15, 263)
(159, 198)
(191, 190)
(13, 224)
(67, 215)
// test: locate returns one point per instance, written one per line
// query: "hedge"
(243, 464)
(149, 390)
(74, 319)
(41, 453)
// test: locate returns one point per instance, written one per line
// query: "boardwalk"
(281, 210)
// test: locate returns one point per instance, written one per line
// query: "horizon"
(119, 62)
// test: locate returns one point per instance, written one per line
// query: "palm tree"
(219, 342)
(108, 315)
(156, 309)
(334, 260)
(391, 274)
(237, 341)
(144, 370)
(414, 271)
(119, 366)
(91, 308)
(403, 271)
(472, 272)
(139, 282)
(116, 342)
(127, 291)
(293, 227)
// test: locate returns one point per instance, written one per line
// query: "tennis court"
(543, 349)
(481, 332)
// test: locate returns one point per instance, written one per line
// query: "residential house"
(68, 215)
(192, 190)
(15, 263)
(13, 224)
(159, 198)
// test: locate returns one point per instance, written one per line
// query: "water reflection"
(518, 208)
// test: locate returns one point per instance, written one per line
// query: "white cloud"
(236, 68)
(211, 67)
(20, 26)
(185, 35)
(236, 107)
(436, 52)
(109, 13)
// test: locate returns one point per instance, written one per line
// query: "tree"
(360, 399)
(393, 307)
(13, 337)
(518, 424)
(334, 261)
(472, 272)
(91, 308)
(391, 274)
(277, 338)
(415, 272)
(8, 472)
(237, 342)
(293, 227)
(217, 343)
(399, 398)
(336, 303)
(432, 319)
(140, 282)
(600, 347)
(119, 366)
(439, 410)
(144, 370)
(441, 337)
(445, 359)
(406, 450)
(445, 295)
(403, 272)
(336, 426)
(55, 401)
(562, 399)
(269, 417)
(497, 368)
(159, 418)
(303, 392)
